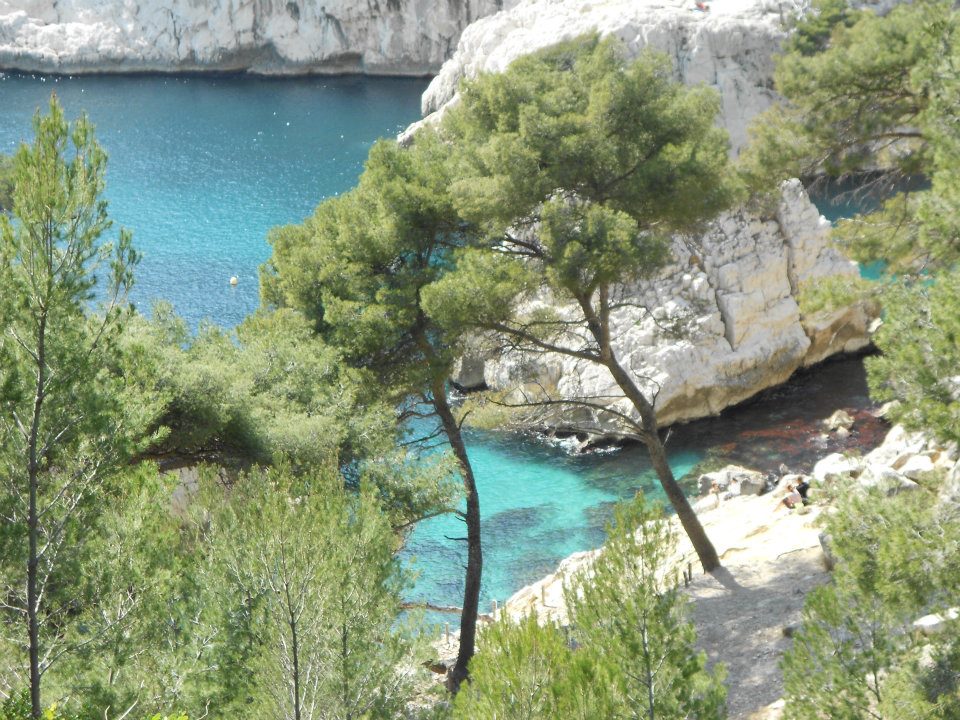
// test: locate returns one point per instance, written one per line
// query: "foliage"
(528, 670)
(628, 609)
(359, 269)
(578, 166)
(877, 101)
(854, 655)
(272, 390)
(628, 653)
(812, 33)
(920, 339)
(64, 431)
(6, 183)
(303, 574)
(877, 98)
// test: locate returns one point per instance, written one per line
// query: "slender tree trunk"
(295, 649)
(474, 571)
(658, 457)
(33, 610)
(599, 324)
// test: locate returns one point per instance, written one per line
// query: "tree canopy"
(578, 166)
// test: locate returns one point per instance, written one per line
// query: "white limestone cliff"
(718, 325)
(388, 37)
(729, 45)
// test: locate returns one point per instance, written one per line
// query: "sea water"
(201, 168)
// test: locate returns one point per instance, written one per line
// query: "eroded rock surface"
(395, 37)
(714, 328)
(729, 46)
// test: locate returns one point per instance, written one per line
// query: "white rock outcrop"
(714, 328)
(730, 46)
(727, 44)
(393, 37)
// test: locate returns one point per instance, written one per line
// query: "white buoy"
(233, 280)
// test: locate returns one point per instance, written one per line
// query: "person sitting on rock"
(803, 487)
(791, 499)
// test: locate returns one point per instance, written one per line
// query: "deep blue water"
(201, 168)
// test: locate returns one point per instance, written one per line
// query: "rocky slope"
(772, 557)
(714, 328)
(395, 37)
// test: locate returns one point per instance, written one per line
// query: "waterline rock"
(412, 37)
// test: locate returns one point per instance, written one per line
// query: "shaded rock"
(836, 466)
(733, 478)
(916, 467)
(896, 448)
(840, 419)
(886, 479)
(829, 559)
(935, 623)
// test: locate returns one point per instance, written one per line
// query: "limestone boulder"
(730, 47)
(935, 623)
(734, 479)
(835, 467)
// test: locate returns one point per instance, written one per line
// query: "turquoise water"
(201, 168)
(539, 504)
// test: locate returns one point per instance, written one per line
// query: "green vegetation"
(113, 605)
(265, 582)
(64, 431)
(6, 183)
(628, 652)
(874, 98)
(856, 655)
(302, 573)
(606, 159)
(359, 269)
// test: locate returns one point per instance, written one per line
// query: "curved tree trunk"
(474, 570)
(599, 324)
(658, 457)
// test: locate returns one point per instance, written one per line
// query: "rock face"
(714, 328)
(395, 37)
(728, 46)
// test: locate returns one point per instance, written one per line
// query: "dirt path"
(740, 613)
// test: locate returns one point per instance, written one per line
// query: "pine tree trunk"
(658, 457)
(474, 571)
(599, 325)
(33, 611)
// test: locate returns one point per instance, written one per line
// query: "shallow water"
(201, 168)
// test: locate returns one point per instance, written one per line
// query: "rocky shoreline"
(771, 557)
(265, 37)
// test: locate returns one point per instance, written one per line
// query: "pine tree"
(63, 430)
(578, 166)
